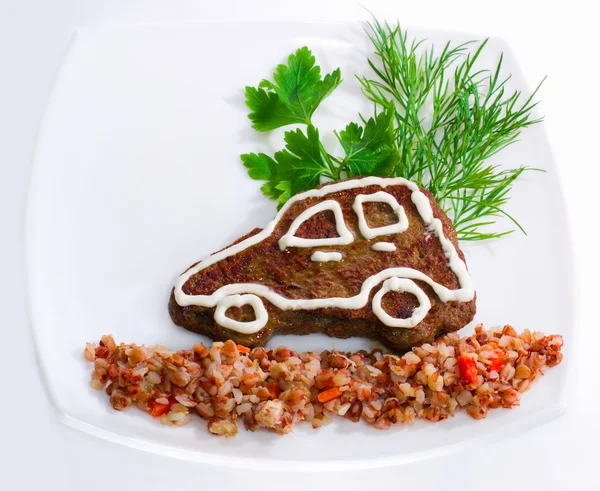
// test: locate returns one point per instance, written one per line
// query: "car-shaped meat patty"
(372, 257)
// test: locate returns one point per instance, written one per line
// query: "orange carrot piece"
(156, 409)
(468, 369)
(329, 394)
(243, 349)
(497, 361)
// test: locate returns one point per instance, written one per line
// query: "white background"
(559, 40)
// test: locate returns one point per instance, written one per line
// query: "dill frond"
(449, 118)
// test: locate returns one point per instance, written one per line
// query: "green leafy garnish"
(369, 150)
(293, 96)
(471, 118)
(296, 168)
(436, 121)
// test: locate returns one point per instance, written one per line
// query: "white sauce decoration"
(345, 236)
(384, 246)
(233, 292)
(379, 197)
(324, 257)
(261, 315)
(401, 285)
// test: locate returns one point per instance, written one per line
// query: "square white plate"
(137, 175)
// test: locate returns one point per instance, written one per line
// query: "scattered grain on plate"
(275, 389)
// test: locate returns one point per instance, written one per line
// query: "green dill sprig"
(449, 119)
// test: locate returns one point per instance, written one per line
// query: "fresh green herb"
(296, 91)
(449, 119)
(297, 168)
(292, 98)
(437, 119)
(369, 150)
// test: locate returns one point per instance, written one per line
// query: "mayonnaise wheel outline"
(401, 285)
(260, 313)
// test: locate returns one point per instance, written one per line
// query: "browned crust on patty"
(292, 274)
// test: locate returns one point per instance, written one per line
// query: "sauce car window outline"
(253, 294)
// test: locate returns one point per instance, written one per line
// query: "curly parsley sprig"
(436, 121)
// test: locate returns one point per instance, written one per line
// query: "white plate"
(137, 175)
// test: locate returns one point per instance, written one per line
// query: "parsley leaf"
(268, 112)
(260, 166)
(293, 96)
(301, 161)
(369, 150)
(263, 168)
(296, 168)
